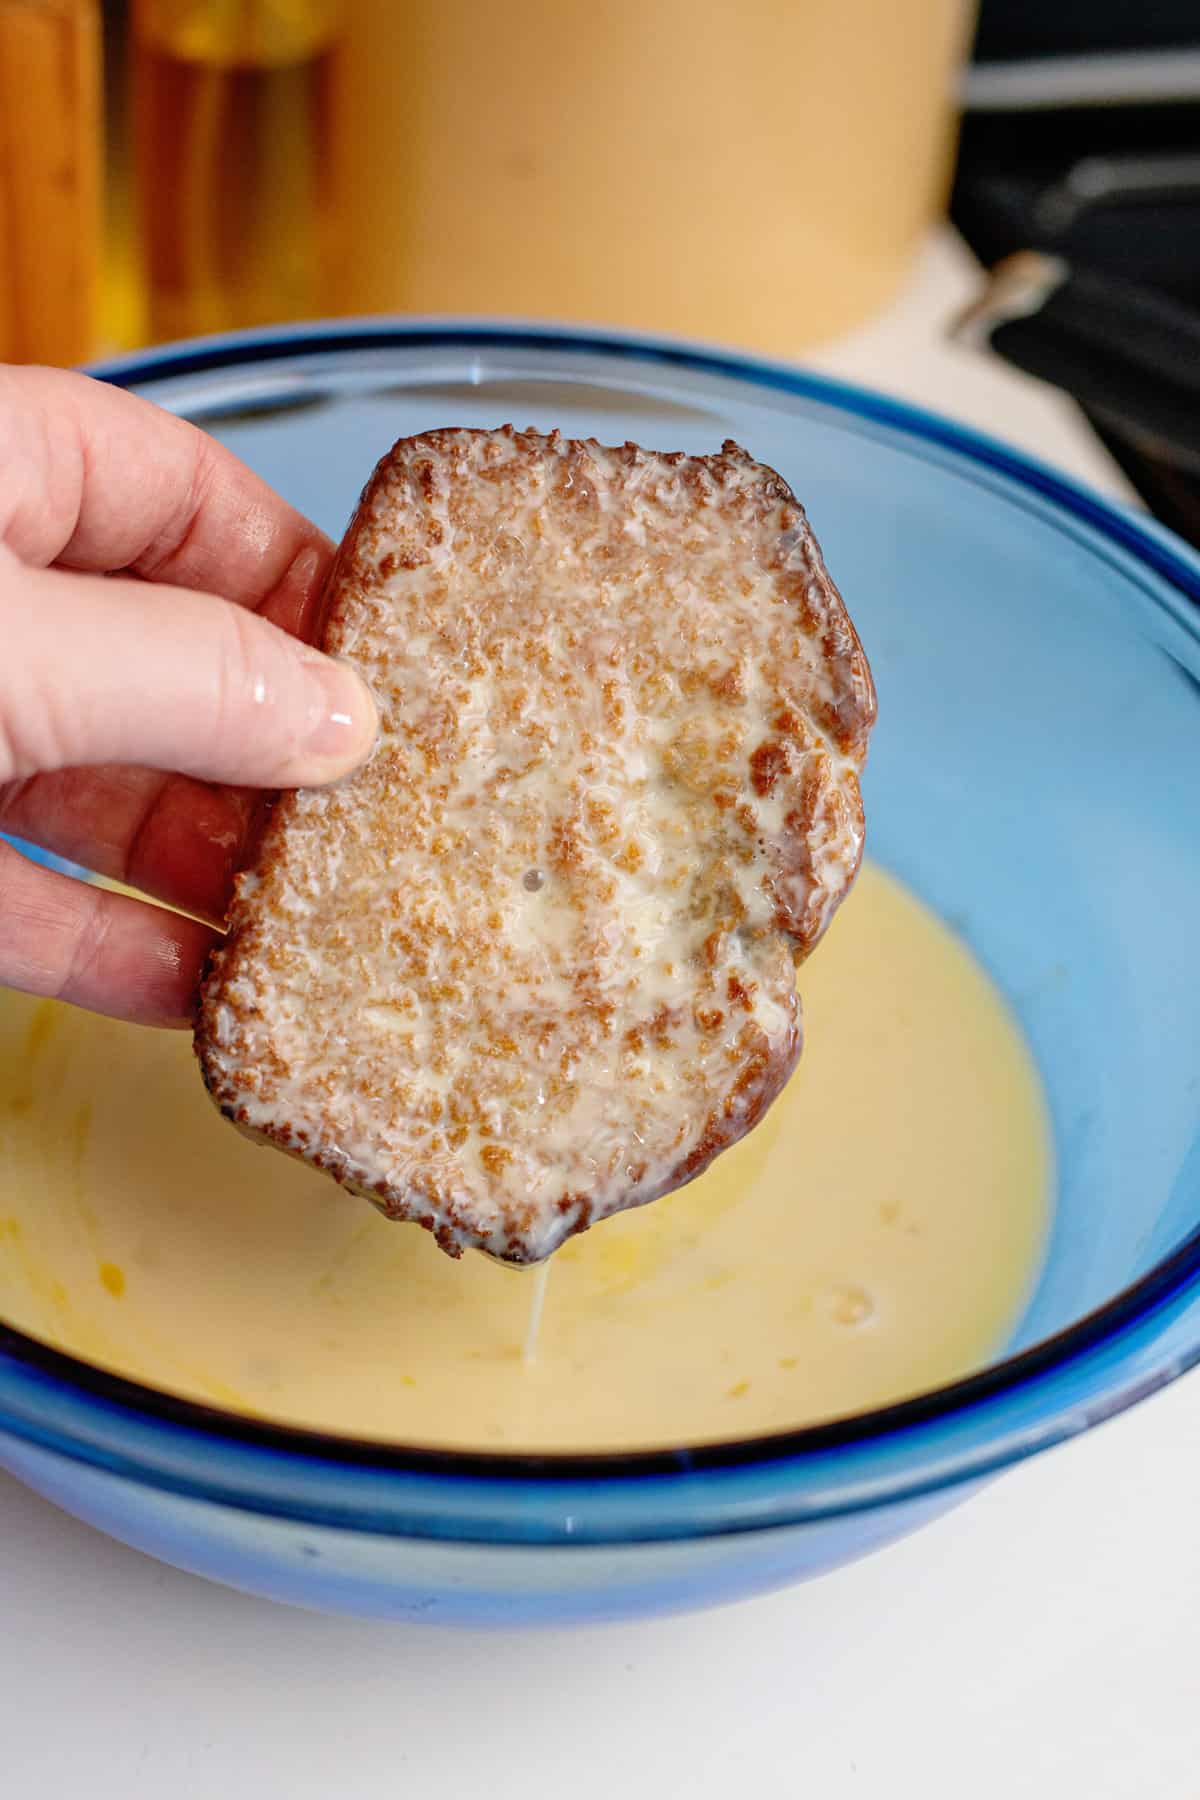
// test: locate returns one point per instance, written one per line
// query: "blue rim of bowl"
(1168, 1280)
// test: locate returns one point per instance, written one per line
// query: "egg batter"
(876, 1235)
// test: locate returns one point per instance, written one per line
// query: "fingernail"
(347, 722)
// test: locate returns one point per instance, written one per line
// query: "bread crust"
(534, 963)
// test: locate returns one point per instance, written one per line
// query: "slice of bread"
(535, 962)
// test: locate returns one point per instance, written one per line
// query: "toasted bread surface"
(535, 962)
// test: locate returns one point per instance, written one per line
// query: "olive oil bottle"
(233, 153)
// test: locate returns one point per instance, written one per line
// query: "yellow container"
(751, 170)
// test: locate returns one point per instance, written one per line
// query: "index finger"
(100, 479)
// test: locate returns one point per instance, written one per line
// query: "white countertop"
(1042, 1641)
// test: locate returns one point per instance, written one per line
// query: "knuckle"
(254, 680)
(10, 767)
(239, 676)
(34, 731)
(54, 929)
(86, 951)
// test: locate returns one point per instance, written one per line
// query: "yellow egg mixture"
(878, 1234)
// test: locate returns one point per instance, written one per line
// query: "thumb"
(96, 670)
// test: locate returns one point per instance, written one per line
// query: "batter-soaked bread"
(534, 963)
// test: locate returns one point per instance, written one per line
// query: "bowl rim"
(1170, 1278)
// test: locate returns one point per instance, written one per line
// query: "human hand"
(139, 714)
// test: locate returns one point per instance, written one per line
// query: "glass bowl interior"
(1037, 656)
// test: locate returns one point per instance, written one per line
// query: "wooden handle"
(50, 179)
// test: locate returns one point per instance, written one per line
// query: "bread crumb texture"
(535, 962)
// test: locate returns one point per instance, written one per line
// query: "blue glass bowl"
(1033, 777)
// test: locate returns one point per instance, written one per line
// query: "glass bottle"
(232, 153)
